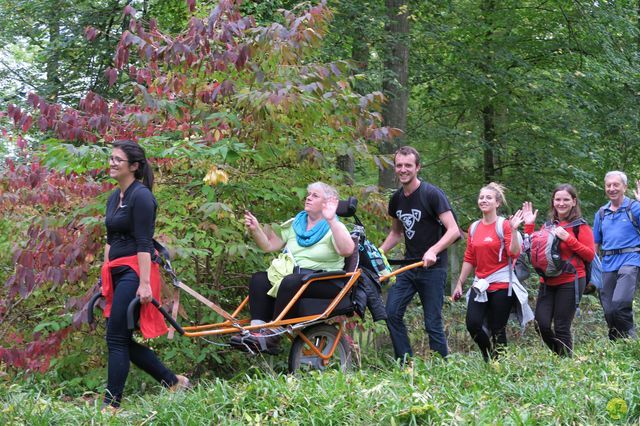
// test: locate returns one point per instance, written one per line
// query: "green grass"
(524, 387)
(528, 385)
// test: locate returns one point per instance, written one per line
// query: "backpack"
(520, 265)
(369, 255)
(632, 219)
(427, 208)
(545, 251)
(594, 276)
(546, 259)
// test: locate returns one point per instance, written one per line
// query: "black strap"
(620, 251)
(627, 210)
(161, 255)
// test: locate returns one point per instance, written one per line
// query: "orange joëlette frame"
(227, 327)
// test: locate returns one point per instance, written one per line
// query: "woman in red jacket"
(558, 296)
(491, 297)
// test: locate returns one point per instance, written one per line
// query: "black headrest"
(347, 208)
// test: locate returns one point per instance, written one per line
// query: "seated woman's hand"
(329, 207)
(250, 221)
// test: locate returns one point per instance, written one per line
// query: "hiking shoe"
(182, 384)
(108, 409)
(266, 340)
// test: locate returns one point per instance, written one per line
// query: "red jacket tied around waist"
(151, 320)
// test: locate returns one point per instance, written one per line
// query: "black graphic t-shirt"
(418, 214)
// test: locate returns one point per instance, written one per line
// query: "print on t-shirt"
(409, 220)
(419, 214)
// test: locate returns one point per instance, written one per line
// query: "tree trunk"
(489, 136)
(489, 132)
(347, 164)
(53, 54)
(394, 83)
(360, 56)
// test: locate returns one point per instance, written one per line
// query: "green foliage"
(561, 79)
(171, 15)
(599, 385)
(558, 87)
(7, 234)
(43, 47)
(68, 157)
(253, 105)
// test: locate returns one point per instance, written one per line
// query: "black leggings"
(557, 304)
(122, 348)
(265, 308)
(493, 313)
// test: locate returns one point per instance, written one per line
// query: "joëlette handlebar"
(91, 305)
(131, 322)
(401, 270)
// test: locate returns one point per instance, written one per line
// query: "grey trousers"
(616, 296)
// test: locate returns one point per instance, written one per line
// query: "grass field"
(528, 385)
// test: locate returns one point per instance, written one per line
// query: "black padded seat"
(312, 306)
(308, 306)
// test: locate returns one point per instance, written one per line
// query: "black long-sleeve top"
(130, 226)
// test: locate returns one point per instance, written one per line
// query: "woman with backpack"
(568, 239)
(492, 244)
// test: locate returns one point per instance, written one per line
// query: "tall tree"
(43, 46)
(394, 83)
(357, 33)
(511, 90)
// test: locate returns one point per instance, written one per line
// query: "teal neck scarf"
(308, 238)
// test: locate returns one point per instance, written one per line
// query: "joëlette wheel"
(323, 336)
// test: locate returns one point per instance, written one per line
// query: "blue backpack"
(370, 257)
(595, 276)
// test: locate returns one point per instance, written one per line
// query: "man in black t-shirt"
(422, 214)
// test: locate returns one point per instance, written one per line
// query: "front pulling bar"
(91, 305)
(131, 323)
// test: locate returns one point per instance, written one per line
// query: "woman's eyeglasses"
(117, 160)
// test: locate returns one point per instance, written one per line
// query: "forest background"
(264, 98)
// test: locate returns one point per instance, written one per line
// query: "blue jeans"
(429, 284)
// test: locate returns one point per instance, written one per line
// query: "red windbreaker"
(151, 320)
